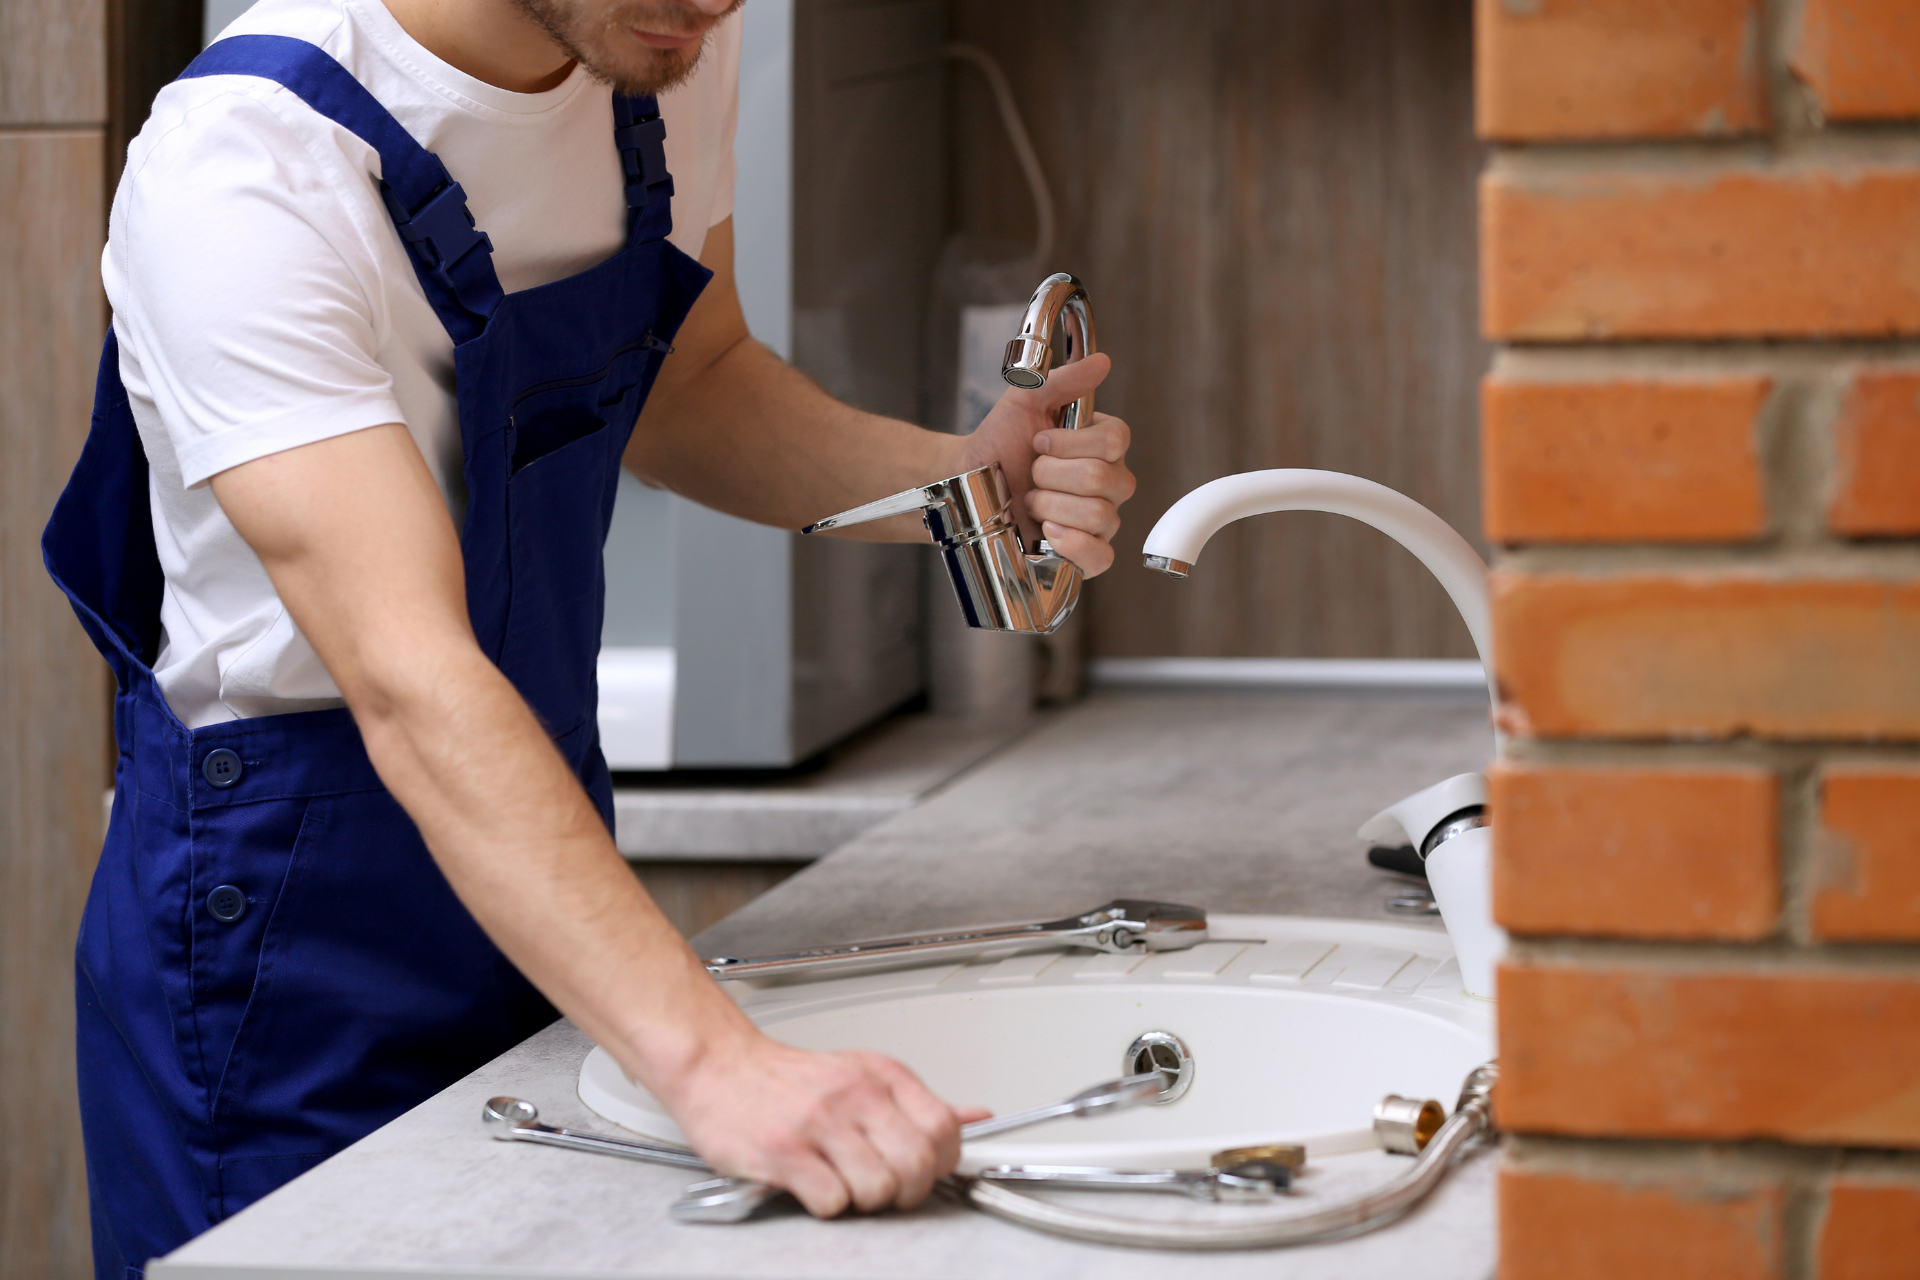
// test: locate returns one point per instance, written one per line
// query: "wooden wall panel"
(53, 62)
(53, 687)
(152, 42)
(1273, 207)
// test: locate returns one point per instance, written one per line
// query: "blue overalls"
(270, 965)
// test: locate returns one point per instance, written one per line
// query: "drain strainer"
(1164, 1052)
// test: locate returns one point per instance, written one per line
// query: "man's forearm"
(762, 441)
(530, 857)
(732, 426)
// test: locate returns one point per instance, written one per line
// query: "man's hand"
(839, 1130)
(1067, 485)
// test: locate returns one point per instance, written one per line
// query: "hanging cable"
(1016, 135)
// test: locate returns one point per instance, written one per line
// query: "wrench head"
(1255, 1180)
(501, 1116)
(1141, 924)
(1118, 1095)
(721, 1200)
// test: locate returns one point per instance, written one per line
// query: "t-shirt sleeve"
(238, 269)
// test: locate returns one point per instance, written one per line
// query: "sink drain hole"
(1164, 1052)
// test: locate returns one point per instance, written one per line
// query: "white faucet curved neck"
(1176, 541)
(1446, 822)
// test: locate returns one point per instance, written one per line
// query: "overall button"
(226, 904)
(222, 768)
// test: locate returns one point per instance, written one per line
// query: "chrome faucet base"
(999, 585)
(997, 582)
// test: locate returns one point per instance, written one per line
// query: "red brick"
(1871, 1232)
(1617, 68)
(1861, 58)
(1563, 1226)
(1867, 865)
(1635, 853)
(1816, 1057)
(1748, 252)
(1706, 656)
(1877, 440)
(1623, 460)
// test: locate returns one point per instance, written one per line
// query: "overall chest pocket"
(552, 415)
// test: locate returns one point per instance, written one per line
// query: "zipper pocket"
(523, 453)
(645, 340)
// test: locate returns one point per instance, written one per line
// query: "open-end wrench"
(1254, 1182)
(1125, 926)
(517, 1120)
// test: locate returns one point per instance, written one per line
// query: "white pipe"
(1175, 542)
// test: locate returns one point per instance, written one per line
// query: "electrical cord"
(1017, 136)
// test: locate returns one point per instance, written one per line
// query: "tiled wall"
(1700, 251)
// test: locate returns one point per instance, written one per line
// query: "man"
(391, 284)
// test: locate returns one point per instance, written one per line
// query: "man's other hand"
(1067, 485)
(839, 1130)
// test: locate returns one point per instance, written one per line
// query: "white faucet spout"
(1174, 544)
(1445, 823)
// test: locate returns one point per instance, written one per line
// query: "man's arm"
(732, 426)
(525, 849)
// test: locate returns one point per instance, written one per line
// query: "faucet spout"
(1060, 299)
(1174, 544)
(1447, 822)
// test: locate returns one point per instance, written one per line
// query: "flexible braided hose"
(1471, 1120)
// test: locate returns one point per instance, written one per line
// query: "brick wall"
(1701, 438)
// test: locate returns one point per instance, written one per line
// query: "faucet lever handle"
(905, 502)
(965, 506)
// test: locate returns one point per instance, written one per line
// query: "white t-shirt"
(263, 299)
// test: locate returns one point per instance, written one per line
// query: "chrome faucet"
(999, 584)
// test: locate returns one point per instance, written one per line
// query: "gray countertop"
(716, 816)
(1241, 802)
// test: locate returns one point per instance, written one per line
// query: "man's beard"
(585, 39)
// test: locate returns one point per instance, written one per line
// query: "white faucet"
(1447, 822)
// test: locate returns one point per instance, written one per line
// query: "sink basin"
(1296, 1028)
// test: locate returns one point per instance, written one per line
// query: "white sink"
(1296, 1027)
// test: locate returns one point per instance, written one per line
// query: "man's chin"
(641, 69)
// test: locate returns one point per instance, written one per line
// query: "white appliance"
(733, 645)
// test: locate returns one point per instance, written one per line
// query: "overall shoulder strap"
(98, 545)
(641, 136)
(453, 259)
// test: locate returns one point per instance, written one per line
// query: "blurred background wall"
(1273, 207)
